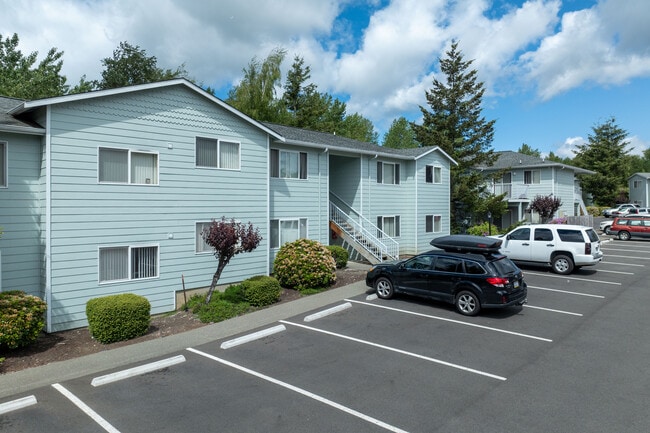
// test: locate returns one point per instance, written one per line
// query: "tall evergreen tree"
(130, 65)
(605, 153)
(400, 135)
(527, 150)
(21, 78)
(456, 125)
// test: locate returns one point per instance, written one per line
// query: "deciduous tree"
(545, 206)
(229, 238)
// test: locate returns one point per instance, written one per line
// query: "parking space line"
(85, 409)
(444, 319)
(20, 403)
(135, 371)
(402, 352)
(623, 264)
(628, 257)
(552, 310)
(301, 391)
(251, 337)
(615, 272)
(564, 277)
(566, 292)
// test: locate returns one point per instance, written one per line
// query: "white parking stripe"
(135, 371)
(604, 262)
(402, 352)
(86, 409)
(302, 392)
(444, 319)
(615, 272)
(552, 310)
(567, 292)
(628, 257)
(564, 277)
(17, 404)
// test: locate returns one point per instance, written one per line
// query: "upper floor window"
(201, 245)
(433, 174)
(127, 263)
(287, 230)
(387, 173)
(3, 164)
(127, 166)
(288, 165)
(531, 176)
(213, 153)
(636, 184)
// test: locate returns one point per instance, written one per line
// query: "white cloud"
(637, 145)
(568, 148)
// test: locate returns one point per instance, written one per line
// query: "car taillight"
(497, 281)
(587, 248)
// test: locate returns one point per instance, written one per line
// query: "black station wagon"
(467, 271)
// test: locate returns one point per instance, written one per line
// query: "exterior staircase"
(362, 236)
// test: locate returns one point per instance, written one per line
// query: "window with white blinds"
(127, 263)
(289, 230)
(390, 225)
(288, 165)
(213, 153)
(127, 166)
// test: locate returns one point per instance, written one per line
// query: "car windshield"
(504, 266)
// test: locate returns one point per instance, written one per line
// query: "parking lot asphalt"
(25, 380)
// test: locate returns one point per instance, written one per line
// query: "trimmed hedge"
(118, 317)
(21, 318)
(261, 290)
(340, 255)
(304, 264)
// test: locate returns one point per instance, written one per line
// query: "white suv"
(564, 247)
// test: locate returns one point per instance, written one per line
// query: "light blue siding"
(20, 215)
(87, 215)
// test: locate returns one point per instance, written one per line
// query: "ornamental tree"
(545, 206)
(229, 238)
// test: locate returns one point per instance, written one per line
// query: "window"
(127, 166)
(531, 176)
(474, 268)
(387, 173)
(567, 235)
(433, 224)
(201, 246)
(212, 153)
(389, 225)
(3, 164)
(288, 165)
(543, 235)
(419, 262)
(448, 264)
(127, 263)
(433, 174)
(289, 230)
(637, 184)
(520, 235)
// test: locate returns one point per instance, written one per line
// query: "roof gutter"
(30, 130)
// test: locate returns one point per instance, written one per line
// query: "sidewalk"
(31, 378)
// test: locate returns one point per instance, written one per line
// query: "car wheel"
(624, 236)
(467, 303)
(384, 288)
(562, 264)
(608, 230)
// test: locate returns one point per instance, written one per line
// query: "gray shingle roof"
(9, 121)
(509, 159)
(336, 142)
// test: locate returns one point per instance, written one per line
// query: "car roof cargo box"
(467, 244)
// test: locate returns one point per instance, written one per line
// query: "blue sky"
(553, 69)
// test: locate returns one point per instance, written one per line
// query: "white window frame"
(435, 221)
(436, 174)
(303, 164)
(130, 153)
(381, 169)
(275, 240)
(397, 222)
(535, 177)
(130, 249)
(219, 165)
(201, 247)
(4, 179)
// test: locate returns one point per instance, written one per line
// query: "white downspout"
(268, 204)
(48, 218)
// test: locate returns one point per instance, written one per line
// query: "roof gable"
(510, 160)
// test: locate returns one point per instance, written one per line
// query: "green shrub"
(261, 290)
(118, 317)
(304, 264)
(21, 318)
(219, 310)
(483, 229)
(340, 255)
(233, 294)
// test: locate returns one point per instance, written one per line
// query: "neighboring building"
(523, 177)
(639, 184)
(107, 192)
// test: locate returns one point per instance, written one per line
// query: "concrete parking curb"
(29, 379)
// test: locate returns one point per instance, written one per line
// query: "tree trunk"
(215, 278)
